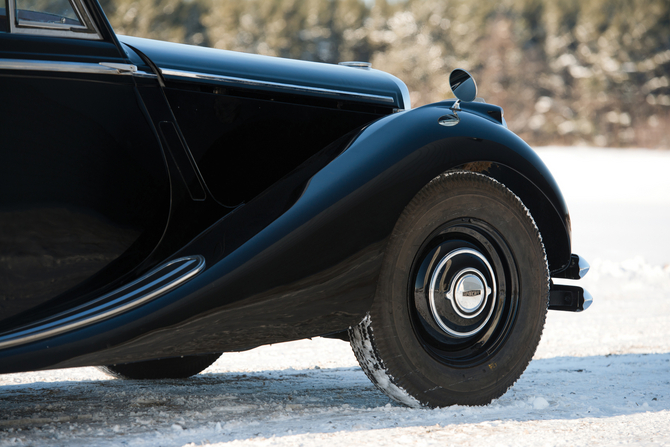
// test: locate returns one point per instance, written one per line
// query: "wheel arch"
(554, 228)
(417, 149)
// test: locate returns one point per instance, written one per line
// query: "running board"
(152, 285)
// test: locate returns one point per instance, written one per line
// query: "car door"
(84, 189)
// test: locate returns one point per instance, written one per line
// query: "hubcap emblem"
(469, 293)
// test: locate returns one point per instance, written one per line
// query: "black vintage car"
(163, 203)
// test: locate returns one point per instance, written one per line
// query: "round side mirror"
(463, 85)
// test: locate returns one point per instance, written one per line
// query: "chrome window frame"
(88, 30)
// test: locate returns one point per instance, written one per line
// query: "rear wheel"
(171, 368)
(462, 296)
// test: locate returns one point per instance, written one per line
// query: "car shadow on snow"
(233, 405)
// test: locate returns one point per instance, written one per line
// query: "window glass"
(4, 24)
(47, 11)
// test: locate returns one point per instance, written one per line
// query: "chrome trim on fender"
(67, 67)
(159, 281)
(171, 73)
(449, 120)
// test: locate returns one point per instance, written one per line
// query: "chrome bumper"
(571, 298)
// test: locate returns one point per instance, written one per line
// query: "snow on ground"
(601, 377)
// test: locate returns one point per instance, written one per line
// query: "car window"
(4, 25)
(63, 18)
(47, 12)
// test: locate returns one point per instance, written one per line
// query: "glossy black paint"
(244, 145)
(271, 70)
(289, 197)
(17, 46)
(84, 193)
(81, 204)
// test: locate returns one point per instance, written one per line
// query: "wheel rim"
(463, 292)
(467, 292)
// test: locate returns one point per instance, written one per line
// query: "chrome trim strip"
(50, 26)
(121, 68)
(169, 72)
(144, 74)
(50, 32)
(102, 308)
(65, 67)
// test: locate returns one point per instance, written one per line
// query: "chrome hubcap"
(468, 293)
(462, 293)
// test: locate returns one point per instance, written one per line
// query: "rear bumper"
(571, 298)
(577, 269)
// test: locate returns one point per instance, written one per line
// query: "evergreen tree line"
(565, 71)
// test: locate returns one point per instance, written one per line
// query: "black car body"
(159, 200)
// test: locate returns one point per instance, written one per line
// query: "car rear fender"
(312, 267)
(415, 148)
(333, 231)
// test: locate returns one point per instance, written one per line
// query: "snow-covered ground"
(601, 377)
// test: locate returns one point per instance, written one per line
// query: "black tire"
(170, 368)
(462, 296)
